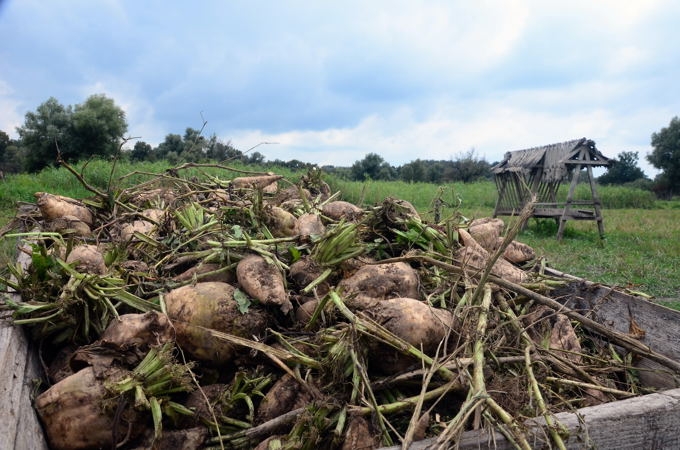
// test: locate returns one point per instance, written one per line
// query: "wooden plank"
(573, 214)
(547, 212)
(648, 421)
(616, 310)
(585, 163)
(19, 371)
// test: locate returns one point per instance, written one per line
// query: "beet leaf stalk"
(153, 381)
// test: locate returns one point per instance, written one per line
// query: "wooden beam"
(586, 163)
(648, 421)
(19, 369)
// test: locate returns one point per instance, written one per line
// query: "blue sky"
(330, 82)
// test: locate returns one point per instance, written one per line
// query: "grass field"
(641, 250)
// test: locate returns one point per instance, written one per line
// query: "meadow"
(641, 250)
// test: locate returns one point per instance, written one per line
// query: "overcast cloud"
(330, 82)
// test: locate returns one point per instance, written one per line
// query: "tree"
(141, 151)
(373, 167)
(11, 159)
(194, 145)
(98, 127)
(94, 127)
(45, 130)
(413, 171)
(624, 169)
(256, 158)
(173, 143)
(217, 150)
(666, 155)
(468, 167)
(4, 143)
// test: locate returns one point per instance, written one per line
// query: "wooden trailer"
(539, 172)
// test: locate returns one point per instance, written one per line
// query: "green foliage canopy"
(666, 156)
(4, 143)
(43, 132)
(95, 127)
(372, 167)
(141, 151)
(221, 151)
(624, 169)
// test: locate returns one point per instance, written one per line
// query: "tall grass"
(614, 197)
(478, 196)
(641, 250)
(471, 199)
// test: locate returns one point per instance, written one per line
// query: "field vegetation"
(640, 252)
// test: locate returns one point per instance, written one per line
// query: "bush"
(641, 183)
(621, 197)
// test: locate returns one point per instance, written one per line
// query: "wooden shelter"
(540, 171)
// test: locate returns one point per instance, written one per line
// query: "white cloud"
(460, 37)
(11, 116)
(400, 138)
(333, 82)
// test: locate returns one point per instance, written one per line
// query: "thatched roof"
(556, 160)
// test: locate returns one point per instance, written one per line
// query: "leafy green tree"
(4, 143)
(412, 171)
(10, 156)
(141, 152)
(296, 164)
(173, 143)
(666, 156)
(254, 158)
(44, 131)
(97, 128)
(194, 145)
(14, 160)
(217, 150)
(468, 167)
(373, 167)
(624, 169)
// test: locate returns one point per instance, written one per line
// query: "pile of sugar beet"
(244, 310)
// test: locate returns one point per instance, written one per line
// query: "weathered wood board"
(630, 314)
(645, 422)
(20, 428)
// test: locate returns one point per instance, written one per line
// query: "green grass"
(472, 199)
(641, 250)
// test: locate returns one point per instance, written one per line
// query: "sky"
(329, 82)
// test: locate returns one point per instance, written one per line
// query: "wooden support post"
(570, 196)
(596, 202)
(501, 183)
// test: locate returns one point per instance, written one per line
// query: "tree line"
(467, 167)
(97, 128)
